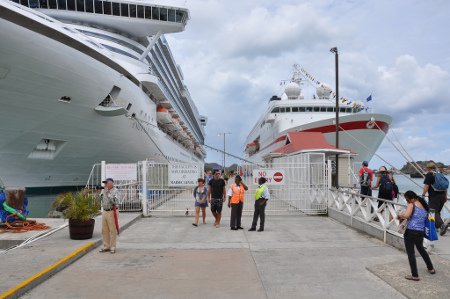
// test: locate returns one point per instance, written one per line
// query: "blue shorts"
(201, 205)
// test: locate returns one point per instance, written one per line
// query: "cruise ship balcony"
(138, 19)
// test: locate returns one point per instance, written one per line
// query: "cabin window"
(132, 10)
(294, 109)
(140, 11)
(316, 109)
(80, 5)
(330, 109)
(163, 14)
(61, 4)
(323, 109)
(70, 4)
(89, 5)
(288, 109)
(171, 15)
(282, 109)
(52, 4)
(276, 110)
(43, 3)
(179, 16)
(98, 7)
(148, 12)
(301, 109)
(34, 3)
(116, 9)
(107, 8)
(155, 13)
(309, 109)
(124, 10)
(342, 110)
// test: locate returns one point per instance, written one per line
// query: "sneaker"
(443, 229)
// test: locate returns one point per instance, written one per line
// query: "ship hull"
(35, 72)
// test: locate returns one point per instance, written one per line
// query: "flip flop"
(410, 277)
(194, 224)
(104, 250)
(113, 251)
(432, 271)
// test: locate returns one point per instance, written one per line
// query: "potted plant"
(80, 208)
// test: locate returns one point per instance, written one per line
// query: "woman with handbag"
(201, 202)
(416, 213)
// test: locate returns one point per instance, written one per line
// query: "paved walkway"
(296, 257)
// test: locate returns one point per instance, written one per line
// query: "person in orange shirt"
(236, 195)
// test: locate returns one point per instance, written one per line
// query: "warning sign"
(273, 176)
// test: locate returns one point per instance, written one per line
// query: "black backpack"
(386, 187)
(364, 179)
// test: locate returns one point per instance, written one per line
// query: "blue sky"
(235, 53)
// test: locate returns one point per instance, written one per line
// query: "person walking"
(262, 195)
(201, 201)
(436, 198)
(416, 213)
(365, 179)
(109, 230)
(236, 195)
(216, 196)
(384, 185)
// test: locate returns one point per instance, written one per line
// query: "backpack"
(364, 179)
(386, 187)
(440, 182)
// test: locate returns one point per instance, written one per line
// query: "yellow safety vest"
(260, 191)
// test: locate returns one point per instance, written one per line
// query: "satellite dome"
(292, 91)
(323, 91)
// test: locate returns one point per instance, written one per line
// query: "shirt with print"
(109, 198)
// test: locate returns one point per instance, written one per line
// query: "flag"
(369, 98)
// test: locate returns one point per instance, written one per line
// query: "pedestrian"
(109, 230)
(365, 179)
(436, 198)
(201, 202)
(395, 189)
(216, 196)
(208, 177)
(416, 213)
(236, 195)
(262, 195)
(384, 185)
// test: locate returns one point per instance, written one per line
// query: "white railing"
(365, 209)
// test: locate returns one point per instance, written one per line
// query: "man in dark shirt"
(436, 199)
(216, 196)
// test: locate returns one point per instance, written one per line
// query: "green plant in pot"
(80, 208)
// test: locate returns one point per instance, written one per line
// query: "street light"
(336, 59)
(224, 148)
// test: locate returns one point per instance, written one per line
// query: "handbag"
(430, 229)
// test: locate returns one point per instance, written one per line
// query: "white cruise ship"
(83, 81)
(360, 132)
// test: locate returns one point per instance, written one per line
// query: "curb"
(43, 275)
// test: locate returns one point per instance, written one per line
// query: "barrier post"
(144, 188)
(102, 177)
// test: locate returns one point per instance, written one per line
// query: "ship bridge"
(134, 18)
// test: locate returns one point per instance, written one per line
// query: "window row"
(111, 8)
(314, 109)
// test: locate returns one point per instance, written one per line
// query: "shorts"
(216, 205)
(201, 205)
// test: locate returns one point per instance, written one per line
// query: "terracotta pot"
(81, 230)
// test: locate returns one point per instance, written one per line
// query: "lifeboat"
(163, 116)
(252, 147)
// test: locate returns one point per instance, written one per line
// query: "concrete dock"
(166, 257)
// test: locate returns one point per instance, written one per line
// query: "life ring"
(370, 124)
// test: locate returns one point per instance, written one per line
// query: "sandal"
(104, 250)
(194, 224)
(410, 277)
(432, 271)
(112, 251)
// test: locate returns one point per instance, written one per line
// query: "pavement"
(296, 257)
(19, 265)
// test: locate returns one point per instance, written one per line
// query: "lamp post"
(224, 148)
(336, 59)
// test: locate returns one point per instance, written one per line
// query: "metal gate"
(305, 188)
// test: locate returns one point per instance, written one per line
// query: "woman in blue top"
(200, 195)
(416, 213)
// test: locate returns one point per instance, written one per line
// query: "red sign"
(278, 177)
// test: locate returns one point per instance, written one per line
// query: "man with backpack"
(365, 179)
(436, 185)
(384, 185)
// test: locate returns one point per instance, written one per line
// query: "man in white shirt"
(262, 195)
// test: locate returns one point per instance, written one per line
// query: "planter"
(81, 230)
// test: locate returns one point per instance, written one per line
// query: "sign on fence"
(182, 174)
(273, 176)
(122, 172)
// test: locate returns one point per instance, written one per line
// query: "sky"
(235, 53)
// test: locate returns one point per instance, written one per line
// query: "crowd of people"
(215, 190)
(417, 211)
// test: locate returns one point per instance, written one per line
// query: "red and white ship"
(360, 132)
